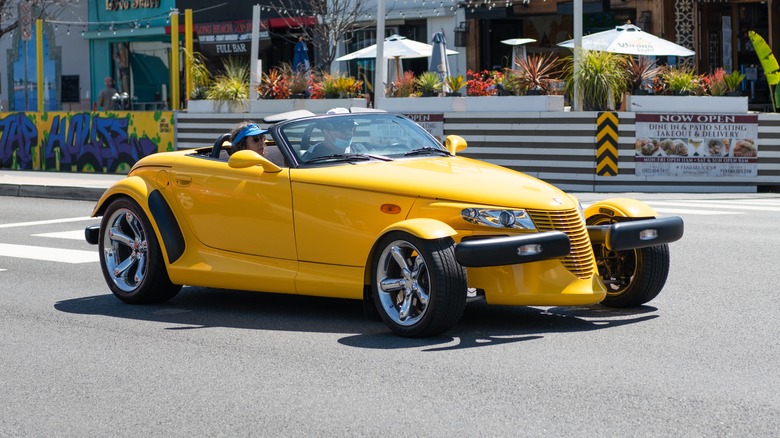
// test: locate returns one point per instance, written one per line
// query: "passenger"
(247, 135)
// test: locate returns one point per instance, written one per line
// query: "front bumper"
(643, 233)
(510, 250)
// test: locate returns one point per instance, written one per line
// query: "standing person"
(106, 95)
(301, 56)
(247, 135)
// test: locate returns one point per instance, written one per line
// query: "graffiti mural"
(102, 142)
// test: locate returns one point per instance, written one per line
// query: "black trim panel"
(91, 234)
(498, 251)
(625, 235)
(166, 223)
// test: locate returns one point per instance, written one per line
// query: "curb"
(52, 192)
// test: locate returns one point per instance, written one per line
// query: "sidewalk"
(57, 185)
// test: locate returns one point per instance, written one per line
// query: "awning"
(287, 22)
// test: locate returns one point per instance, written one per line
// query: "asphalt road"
(700, 360)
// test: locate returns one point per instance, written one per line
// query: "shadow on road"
(481, 326)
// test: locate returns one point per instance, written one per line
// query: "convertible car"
(397, 219)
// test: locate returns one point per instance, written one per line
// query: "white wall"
(74, 49)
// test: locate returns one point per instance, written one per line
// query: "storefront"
(723, 40)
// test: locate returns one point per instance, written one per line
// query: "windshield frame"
(291, 136)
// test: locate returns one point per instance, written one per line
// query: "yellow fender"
(620, 207)
(423, 228)
(133, 186)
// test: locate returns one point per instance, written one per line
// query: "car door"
(247, 211)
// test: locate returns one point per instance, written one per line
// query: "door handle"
(183, 180)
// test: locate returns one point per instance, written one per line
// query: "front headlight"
(517, 219)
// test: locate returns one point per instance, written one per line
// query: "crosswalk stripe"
(713, 205)
(47, 222)
(48, 254)
(72, 235)
(690, 211)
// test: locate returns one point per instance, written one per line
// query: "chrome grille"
(580, 260)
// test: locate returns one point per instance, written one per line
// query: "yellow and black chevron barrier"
(606, 144)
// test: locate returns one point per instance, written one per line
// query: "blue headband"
(247, 131)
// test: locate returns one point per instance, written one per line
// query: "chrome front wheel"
(130, 255)
(418, 287)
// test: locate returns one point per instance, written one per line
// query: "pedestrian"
(105, 97)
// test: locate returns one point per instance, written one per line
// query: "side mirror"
(247, 158)
(455, 144)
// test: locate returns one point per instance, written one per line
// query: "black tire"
(130, 256)
(632, 277)
(424, 297)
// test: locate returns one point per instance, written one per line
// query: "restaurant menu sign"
(709, 145)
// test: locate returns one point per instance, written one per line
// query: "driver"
(337, 138)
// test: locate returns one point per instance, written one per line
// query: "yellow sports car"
(370, 206)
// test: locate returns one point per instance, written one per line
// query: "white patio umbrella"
(630, 40)
(518, 48)
(439, 61)
(397, 47)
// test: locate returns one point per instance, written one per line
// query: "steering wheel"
(217, 148)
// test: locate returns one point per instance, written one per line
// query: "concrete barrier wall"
(558, 147)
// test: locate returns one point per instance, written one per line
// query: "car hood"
(449, 178)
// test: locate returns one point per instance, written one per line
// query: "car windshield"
(353, 138)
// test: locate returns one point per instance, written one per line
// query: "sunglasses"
(258, 138)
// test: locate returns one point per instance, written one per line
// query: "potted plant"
(733, 82)
(601, 79)
(273, 85)
(480, 83)
(231, 86)
(429, 83)
(201, 77)
(403, 86)
(347, 86)
(454, 83)
(679, 81)
(328, 86)
(534, 72)
(716, 83)
(641, 73)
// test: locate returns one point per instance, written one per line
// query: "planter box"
(273, 106)
(688, 104)
(471, 104)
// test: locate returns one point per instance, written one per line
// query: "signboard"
(433, 123)
(691, 145)
(227, 37)
(25, 20)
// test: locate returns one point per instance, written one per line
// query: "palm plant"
(641, 71)
(201, 77)
(534, 72)
(601, 78)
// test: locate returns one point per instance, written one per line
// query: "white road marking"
(73, 235)
(47, 222)
(698, 204)
(690, 211)
(49, 254)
